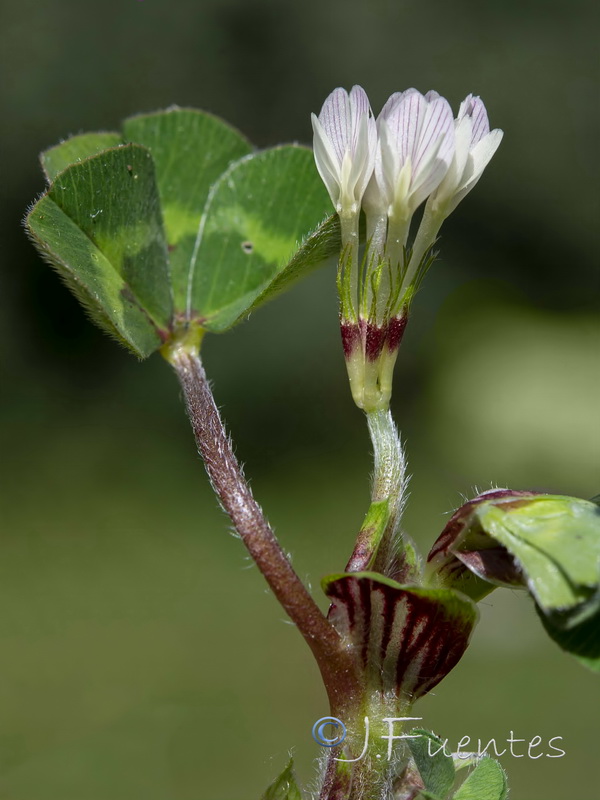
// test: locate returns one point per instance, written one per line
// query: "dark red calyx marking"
(374, 340)
(395, 332)
(350, 337)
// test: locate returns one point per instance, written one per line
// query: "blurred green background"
(142, 658)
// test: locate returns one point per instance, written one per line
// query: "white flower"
(416, 146)
(475, 145)
(345, 142)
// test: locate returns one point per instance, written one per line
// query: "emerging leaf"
(486, 782)
(284, 787)
(549, 544)
(435, 767)
(407, 638)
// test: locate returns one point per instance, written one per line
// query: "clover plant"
(176, 227)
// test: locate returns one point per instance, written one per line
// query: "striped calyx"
(405, 638)
(370, 351)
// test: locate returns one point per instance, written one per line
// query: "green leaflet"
(435, 767)
(76, 149)
(409, 638)
(204, 232)
(581, 639)
(99, 225)
(486, 782)
(252, 241)
(284, 787)
(191, 150)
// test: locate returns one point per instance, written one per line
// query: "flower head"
(345, 141)
(475, 146)
(416, 146)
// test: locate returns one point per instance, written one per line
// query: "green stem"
(377, 546)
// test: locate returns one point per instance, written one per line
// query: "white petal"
(463, 135)
(430, 175)
(473, 107)
(438, 122)
(374, 200)
(465, 107)
(453, 179)
(392, 101)
(388, 165)
(364, 156)
(359, 107)
(345, 144)
(326, 161)
(479, 158)
(336, 119)
(404, 121)
(481, 155)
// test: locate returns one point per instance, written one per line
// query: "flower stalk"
(377, 547)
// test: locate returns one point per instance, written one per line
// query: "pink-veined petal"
(437, 133)
(473, 107)
(455, 176)
(359, 107)
(387, 167)
(392, 101)
(404, 121)
(430, 175)
(345, 144)
(336, 119)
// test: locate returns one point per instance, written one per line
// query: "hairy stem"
(377, 540)
(335, 662)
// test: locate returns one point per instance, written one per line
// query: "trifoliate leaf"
(235, 228)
